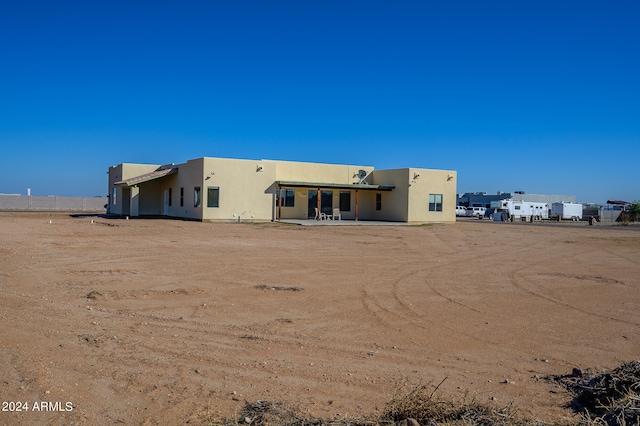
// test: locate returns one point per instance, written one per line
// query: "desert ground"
(172, 322)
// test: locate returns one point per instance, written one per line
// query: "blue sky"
(538, 96)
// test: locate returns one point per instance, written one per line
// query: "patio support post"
(356, 205)
(318, 201)
(279, 194)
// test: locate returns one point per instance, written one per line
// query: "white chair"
(320, 215)
(336, 214)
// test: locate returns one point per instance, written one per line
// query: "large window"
(435, 202)
(213, 196)
(378, 201)
(345, 201)
(288, 197)
(170, 196)
(181, 197)
(196, 197)
(113, 198)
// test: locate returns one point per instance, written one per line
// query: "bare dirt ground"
(164, 321)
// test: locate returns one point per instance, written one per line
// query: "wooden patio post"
(356, 205)
(279, 202)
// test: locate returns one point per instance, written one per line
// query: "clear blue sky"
(538, 96)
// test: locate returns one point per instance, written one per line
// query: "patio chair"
(336, 214)
(320, 215)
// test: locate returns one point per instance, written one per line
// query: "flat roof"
(359, 186)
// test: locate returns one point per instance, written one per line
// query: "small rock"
(412, 422)
(248, 420)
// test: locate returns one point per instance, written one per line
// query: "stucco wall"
(317, 173)
(246, 189)
(394, 203)
(121, 172)
(432, 182)
(150, 201)
(190, 175)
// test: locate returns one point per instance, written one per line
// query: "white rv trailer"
(566, 211)
(522, 209)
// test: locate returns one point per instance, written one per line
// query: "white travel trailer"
(566, 211)
(520, 210)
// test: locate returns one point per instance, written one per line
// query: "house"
(224, 189)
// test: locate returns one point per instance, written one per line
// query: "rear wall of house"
(393, 206)
(318, 173)
(121, 172)
(436, 182)
(245, 189)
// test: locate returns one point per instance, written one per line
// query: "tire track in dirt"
(632, 262)
(516, 282)
(427, 271)
(403, 313)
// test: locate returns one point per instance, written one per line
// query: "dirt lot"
(163, 321)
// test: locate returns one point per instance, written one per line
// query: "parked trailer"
(522, 210)
(566, 211)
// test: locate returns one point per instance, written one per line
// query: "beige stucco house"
(224, 189)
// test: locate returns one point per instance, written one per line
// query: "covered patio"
(344, 222)
(320, 198)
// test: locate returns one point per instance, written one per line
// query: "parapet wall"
(52, 203)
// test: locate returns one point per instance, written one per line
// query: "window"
(113, 198)
(170, 191)
(378, 201)
(181, 197)
(345, 201)
(435, 202)
(288, 197)
(213, 196)
(196, 196)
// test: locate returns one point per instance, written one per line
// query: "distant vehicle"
(566, 211)
(496, 215)
(521, 210)
(461, 211)
(476, 212)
